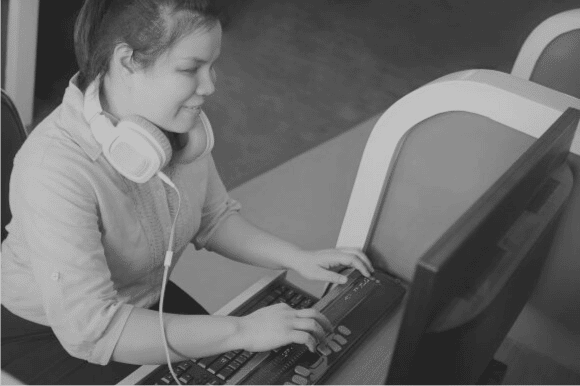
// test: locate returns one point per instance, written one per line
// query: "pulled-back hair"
(148, 27)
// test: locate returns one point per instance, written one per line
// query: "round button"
(344, 331)
(301, 370)
(340, 339)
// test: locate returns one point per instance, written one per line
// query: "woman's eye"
(193, 70)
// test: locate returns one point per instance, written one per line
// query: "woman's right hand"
(278, 325)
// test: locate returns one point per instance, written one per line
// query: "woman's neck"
(113, 98)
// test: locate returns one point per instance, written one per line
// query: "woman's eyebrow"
(200, 60)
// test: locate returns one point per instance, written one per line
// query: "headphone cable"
(167, 264)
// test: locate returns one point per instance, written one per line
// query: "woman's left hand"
(316, 265)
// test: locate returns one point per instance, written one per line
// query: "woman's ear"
(122, 61)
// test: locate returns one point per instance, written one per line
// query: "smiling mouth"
(194, 109)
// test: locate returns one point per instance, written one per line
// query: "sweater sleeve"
(57, 209)
(218, 205)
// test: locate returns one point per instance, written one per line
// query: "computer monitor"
(471, 284)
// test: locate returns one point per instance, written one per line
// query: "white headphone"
(137, 148)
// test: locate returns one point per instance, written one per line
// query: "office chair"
(550, 55)
(13, 136)
(433, 153)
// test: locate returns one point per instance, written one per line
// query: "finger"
(353, 261)
(361, 256)
(319, 316)
(358, 253)
(333, 277)
(284, 305)
(310, 326)
(302, 337)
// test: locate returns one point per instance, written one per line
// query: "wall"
(4, 33)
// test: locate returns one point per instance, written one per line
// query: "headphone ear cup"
(139, 149)
(152, 132)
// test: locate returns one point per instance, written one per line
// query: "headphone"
(136, 147)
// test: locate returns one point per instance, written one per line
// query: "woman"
(116, 176)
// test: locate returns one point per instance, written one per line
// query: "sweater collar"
(71, 119)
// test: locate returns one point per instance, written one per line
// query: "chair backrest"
(13, 136)
(434, 152)
(550, 55)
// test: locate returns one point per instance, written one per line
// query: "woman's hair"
(148, 27)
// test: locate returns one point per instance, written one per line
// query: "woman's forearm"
(241, 241)
(188, 336)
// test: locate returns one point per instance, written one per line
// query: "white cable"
(167, 264)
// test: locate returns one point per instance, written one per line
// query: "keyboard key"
(340, 339)
(295, 300)
(247, 354)
(301, 370)
(178, 371)
(218, 365)
(281, 348)
(230, 355)
(305, 303)
(282, 299)
(185, 378)
(334, 346)
(204, 362)
(225, 373)
(202, 379)
(235, 365)
(184, 365)
(289, 294)
(343, 330)
(241, 360)
(300, 380)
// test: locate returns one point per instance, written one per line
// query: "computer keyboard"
(353, 309)
(216, 369)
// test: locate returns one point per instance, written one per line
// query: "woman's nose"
(207, 83)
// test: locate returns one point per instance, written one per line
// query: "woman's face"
(170, 92)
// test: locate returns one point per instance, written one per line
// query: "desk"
(303, 201)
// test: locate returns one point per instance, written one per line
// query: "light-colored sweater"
(85, 244)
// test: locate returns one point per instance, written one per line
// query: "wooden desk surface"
(302, 201)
